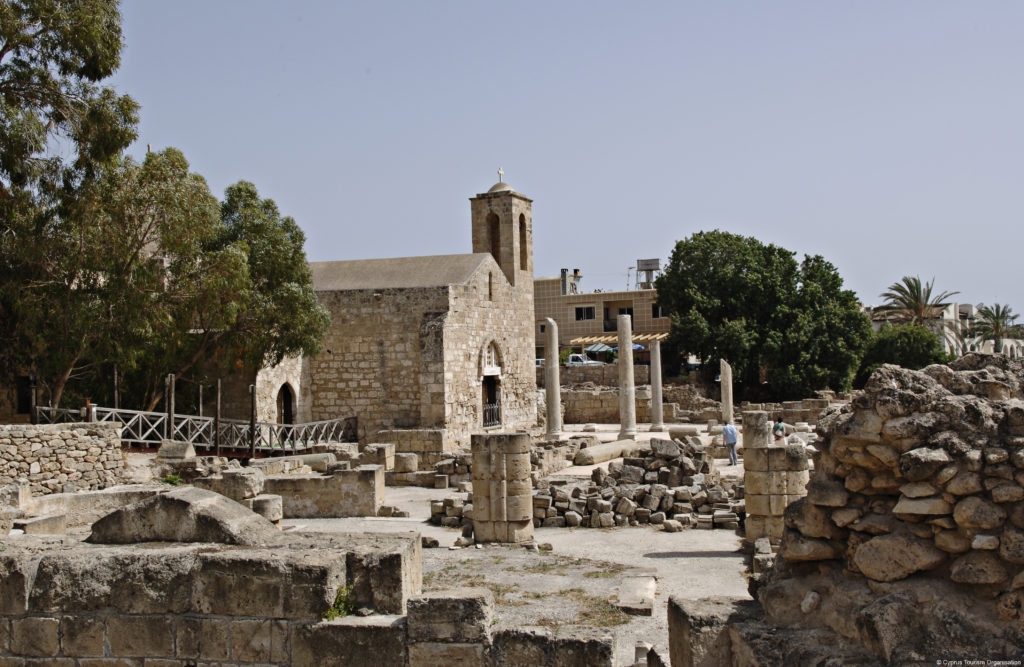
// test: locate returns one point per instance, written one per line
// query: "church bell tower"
(503, 226)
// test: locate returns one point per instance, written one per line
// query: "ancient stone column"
(725, 376)
(502, 490)
(552, 386)
(627, 390)
(657, 418)
(773, 477)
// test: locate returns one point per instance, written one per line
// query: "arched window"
(522, 242)
(494, 236)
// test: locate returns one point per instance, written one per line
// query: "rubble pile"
(910, 542)
(673, 483)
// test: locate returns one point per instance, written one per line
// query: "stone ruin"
(909, 546)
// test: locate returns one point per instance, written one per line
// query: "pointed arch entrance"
(490, 381)
(285, 405)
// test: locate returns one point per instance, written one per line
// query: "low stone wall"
(183, 604)
(601, 406)
(49, 456)
(343, 493)
(605, 375)
(431, 445)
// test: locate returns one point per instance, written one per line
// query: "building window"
(522, 242)
(490, 286)
(542, 328)
(585, 313)
(494, 236)
(656, 311)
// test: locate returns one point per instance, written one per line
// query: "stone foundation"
(343, 493)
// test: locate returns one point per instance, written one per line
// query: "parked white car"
(582, 360)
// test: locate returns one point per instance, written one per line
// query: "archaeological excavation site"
(887, 528)
(423, 492)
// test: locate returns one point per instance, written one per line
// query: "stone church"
(423, 350)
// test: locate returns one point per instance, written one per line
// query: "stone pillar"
(725, 376)
(657, 418)
(502, 491)
(552, 386)
(773, 477)
(627, 390)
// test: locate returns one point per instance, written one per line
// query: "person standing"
(729, 436)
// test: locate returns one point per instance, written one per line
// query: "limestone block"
(236, 484)
(346, 493)
(978, 567)
(458, 615)
(977, 513)
(698, 629)
(260, 641)
(184, 515)
(81, 636)
(268, 506)
(406, 462)
(429, 654)
(134, 636)
(381, 454)
(383, 570)
(518, 508)
(605, 452)
(934, 505)
(894, 557)
(797, 548)
(49, 524)
(127, 579)
(264, 583)
(35, 636)
(317, 462)
(365, 640)
(571, 646)
(175, 450)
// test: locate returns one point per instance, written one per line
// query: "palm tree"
(995, 324)
(912, 301)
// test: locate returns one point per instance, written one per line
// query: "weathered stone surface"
(978, 567)
(811, 520)
(978, 513)
(1011, 545)
(933, 505)
(796, 548)
(184, 515)
(952, 541)
(894, 557)
(665, 449)
(698, 630)
(344, 493)
(1008, 493)
(352, 640)
(606, 452)
(237, 484)
(919, 464)
(672, 526)
(827, 493)
(965, 483)
(459, 615)
(573, 646)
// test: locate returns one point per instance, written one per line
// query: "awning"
(597, 347)
(636, 346)
(613, 339)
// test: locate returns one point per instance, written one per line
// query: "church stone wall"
(487, 309)
(372, 363)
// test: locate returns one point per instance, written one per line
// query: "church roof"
(398, 272)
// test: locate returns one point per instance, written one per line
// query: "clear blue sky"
(886, 136)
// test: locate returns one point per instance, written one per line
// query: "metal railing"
(148, 429)
(492, 414)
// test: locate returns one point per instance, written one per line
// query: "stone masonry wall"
(601, 406)
(372, 358)
(87, 455)
(606, 375)
(916, 508)
(486, 309)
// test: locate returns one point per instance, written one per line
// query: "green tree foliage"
(52, 55)
(732, 297)
(908, 345)
(912, 301)
(995, 323)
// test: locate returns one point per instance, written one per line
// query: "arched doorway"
(490, 363)
(285, 405)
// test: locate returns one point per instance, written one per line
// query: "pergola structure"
(614, 339)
